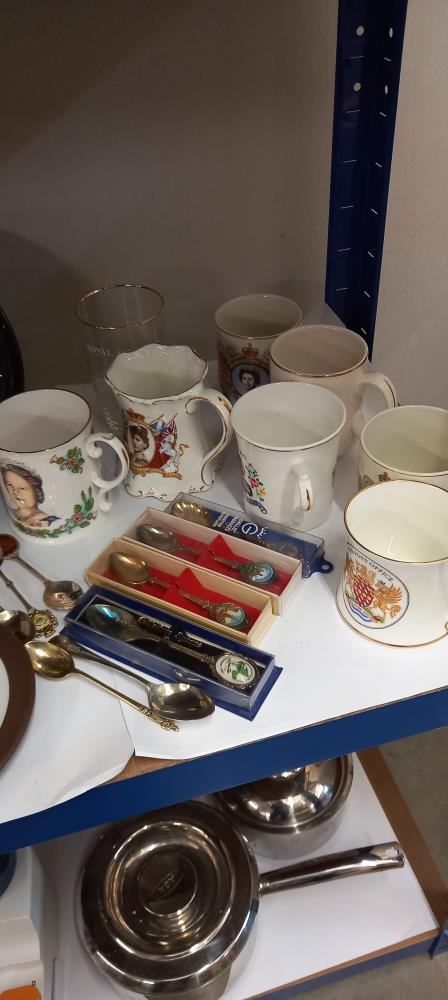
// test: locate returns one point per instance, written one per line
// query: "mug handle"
(222, 407)
(305, 488)
(105, 485)
(387, 390)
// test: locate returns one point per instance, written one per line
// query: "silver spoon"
(19, 623)
(135, 571)
(44, 621)
(171, 701)
(163, 539)
(55, 663)
(60, 595)
(119, 624)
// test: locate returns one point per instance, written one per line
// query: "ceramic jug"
(160, 390)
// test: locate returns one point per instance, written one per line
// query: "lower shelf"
(303, 934)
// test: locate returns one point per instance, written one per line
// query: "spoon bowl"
(181, 701)
(50, 661)
(60, 595)
(162, 538)
(19, 623)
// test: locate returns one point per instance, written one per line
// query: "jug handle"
(222, 407)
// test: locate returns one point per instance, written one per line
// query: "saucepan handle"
(360, 861)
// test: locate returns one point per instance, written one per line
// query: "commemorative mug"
(288, 437)
(246, 328)
(336, 358)
(170, 445)
(49, 465)
(394, 586)
(410, 442)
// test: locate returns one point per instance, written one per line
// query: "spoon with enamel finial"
(171, 700)
(163, 539)
(60, 595)
(55, 663)
(45, 622)
(135, 571)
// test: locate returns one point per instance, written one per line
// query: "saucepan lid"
(168, 899)
(294, 800)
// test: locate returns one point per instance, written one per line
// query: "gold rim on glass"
(122, 326)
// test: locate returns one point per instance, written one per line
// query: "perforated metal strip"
(368, 61)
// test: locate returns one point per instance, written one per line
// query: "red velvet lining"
(221, 548)
(188, 581)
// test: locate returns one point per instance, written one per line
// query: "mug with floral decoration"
(49, 465)
(394, 586)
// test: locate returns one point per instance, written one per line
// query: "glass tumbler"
(117, 319)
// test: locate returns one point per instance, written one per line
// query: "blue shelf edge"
(203, 775)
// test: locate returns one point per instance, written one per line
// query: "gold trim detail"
(379, 555)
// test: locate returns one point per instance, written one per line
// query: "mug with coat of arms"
(246, 328)
(394, 586)
(171, 445)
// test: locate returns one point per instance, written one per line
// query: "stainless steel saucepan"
(167, 901)
(291, 813)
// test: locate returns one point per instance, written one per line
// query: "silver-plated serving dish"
(291, 813)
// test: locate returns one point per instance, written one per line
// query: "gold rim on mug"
(122, 326)
(379, 555)
(36, 451)
(345, 371)
(403, 472)
(265, 336)
(390, 645)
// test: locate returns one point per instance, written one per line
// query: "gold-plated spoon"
(134, 571)
(60, 595)
(45, 622)
(55, 663)
(19, 623)
(170, 700)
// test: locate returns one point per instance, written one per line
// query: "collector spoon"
(172, 701)
(233, 669)
(55, 663)
(163, 539)
(60, 595)
(19, 623)
(135, 571)
(44, 622)
(259, 573)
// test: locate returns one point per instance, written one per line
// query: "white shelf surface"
(299, 933)
(328, 670)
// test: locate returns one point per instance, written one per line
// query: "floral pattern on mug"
(254, 488)
(73, 461)
(82, 517)
(373, 596)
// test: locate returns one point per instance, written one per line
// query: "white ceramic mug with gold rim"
(288, 437)
(246, 328)
(336, 358)
(409, 442)
(394, 586)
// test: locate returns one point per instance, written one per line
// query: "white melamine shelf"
(300, 933)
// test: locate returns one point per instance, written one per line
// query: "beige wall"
(411, 340)
(185, 144)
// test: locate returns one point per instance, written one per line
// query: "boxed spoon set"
(163, 645)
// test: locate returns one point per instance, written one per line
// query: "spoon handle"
(11, 586)
(143, 709)
(31, 569)
(84, 654)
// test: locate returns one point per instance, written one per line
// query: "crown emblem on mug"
(249, 353)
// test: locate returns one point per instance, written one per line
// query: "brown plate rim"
(22, 692)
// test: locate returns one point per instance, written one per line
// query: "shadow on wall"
(39, 294)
